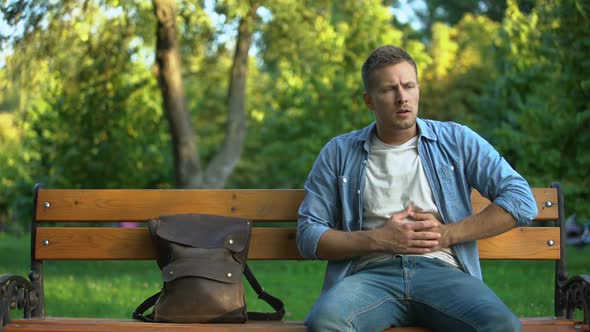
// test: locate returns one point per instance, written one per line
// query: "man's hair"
(384, 56)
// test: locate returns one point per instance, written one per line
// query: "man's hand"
(440, 228)
(415, 237)
(423, 234)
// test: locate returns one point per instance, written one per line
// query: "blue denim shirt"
(455, 159)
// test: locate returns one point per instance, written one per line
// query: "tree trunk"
(187, 168)
(224, 162)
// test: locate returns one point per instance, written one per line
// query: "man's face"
(393, 97)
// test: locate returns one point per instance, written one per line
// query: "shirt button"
(344, 180)
(452, 168)
(364, 162)
(358, 191)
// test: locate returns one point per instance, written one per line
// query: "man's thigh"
(371, 299)
(443, 298)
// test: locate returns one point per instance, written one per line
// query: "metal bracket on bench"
(575, 295)
(16, 292)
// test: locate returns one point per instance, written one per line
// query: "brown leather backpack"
(203, 258)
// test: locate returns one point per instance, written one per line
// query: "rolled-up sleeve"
(309, 227)
(520, 203)
(319, 211)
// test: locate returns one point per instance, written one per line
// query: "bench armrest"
(16, 292)
(575, 295)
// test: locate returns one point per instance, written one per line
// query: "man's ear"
(368, 100)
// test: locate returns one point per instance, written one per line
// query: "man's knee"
(508, 322)
(327, 318)
(500, 320)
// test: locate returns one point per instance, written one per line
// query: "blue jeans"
(410, 291)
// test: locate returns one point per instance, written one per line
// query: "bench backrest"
(273, 211)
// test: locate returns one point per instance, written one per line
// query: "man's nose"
(402, 96)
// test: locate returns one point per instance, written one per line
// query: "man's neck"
(397, 136)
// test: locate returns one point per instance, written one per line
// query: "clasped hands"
(423, 234)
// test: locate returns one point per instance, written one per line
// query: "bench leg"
(575, 295)
(16, 292)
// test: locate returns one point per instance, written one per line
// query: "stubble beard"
(404, 124)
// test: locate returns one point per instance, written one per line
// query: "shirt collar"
(423, 128)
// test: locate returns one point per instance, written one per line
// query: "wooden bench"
(104, 242)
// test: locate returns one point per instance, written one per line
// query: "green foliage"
(452, 12)
(462, 65)
(10, 170)
(87, 117)
(80, 107)
(538, 111)
(318, 93)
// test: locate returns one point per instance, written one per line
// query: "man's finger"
(403, 214)
(422, 224)
(424, 244)
(426, 236)
(422, 216)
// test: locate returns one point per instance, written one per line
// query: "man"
(389, 207)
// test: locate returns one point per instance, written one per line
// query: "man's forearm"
(393, 237)
(339, 245)
(491, 221)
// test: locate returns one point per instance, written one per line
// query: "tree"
(85, 98)
(89, 98)
(187, 164)
(223, 164)
(168, 72)
(312, 53)
(188, 170)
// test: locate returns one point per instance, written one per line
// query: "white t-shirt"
(395, 178)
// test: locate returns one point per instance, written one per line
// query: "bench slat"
(537, 324)
(266, 243)
(107, 324)
(255, 204)
(140, 205)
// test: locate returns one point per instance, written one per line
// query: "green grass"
(114, 288)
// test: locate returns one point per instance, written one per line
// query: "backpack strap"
(274, 302)
(144, 306)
